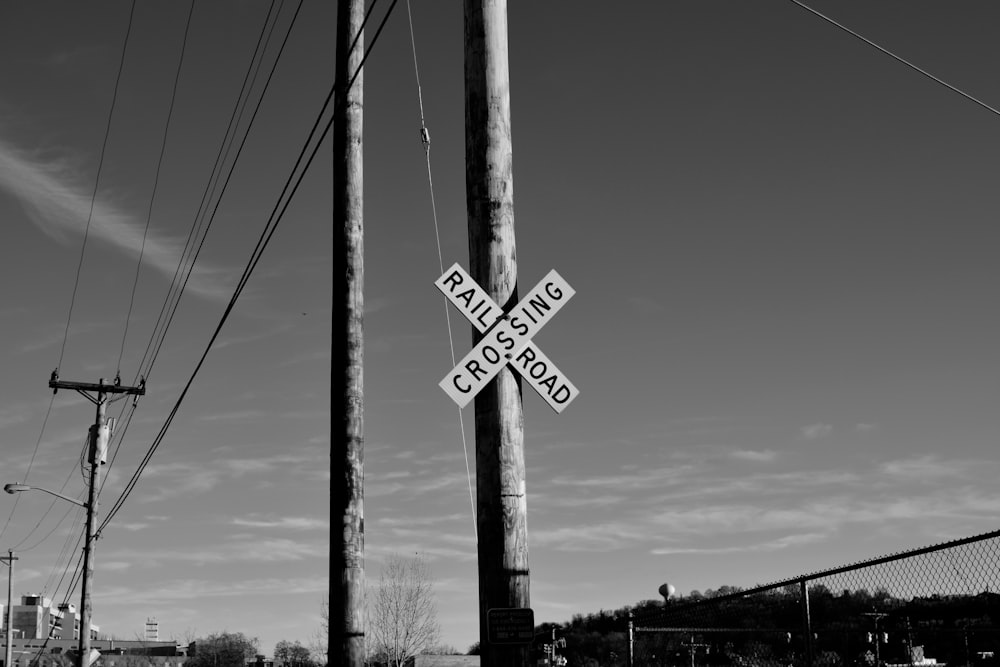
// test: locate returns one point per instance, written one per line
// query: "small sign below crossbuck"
(507, 338)
(510, 625)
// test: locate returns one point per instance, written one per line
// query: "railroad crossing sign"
(507, 338)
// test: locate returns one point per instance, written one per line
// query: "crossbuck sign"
(507, 338)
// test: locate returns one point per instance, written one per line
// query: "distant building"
(114, 652)
(260, 661)
(37, 618)
(152, 630)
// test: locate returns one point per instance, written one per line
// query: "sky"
(782, 243)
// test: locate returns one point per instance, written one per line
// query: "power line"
(52, 504)
(893, 55)
(156, 183)
(277, 214)
(73, 580)
(192, 258)
(30, 464)
(237, 110)
(173, 294)
(79, 268)
(64, 553)
(48, 534)
(97, 182)
(191, 251)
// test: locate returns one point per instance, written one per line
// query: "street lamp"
(88, 537)
(17, 488)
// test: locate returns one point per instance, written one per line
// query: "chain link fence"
(928, 607)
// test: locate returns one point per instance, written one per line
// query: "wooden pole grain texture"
(347, 539)
(501, 506)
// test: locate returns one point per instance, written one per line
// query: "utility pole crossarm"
(57, 384)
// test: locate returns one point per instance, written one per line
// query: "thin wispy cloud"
(194, 589)
(177, 479)
(285, 522)
(247, 549)
(776, 544)
(132, 526)
(596, 537)
(648, 477)
(751, 455)
(816, 431)
(927, 467)
(58, 203)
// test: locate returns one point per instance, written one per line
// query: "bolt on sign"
(507, 338)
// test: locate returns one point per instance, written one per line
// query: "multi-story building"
(37, 618)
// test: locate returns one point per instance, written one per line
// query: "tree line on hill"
(850, 629)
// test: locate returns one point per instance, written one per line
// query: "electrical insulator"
(870, 638)
(885, 637)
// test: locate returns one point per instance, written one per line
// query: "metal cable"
(426, 140)
(156, 183)
(97, 182)
(277, 214)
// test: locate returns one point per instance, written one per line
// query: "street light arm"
(17, 488)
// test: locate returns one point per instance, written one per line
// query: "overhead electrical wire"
(97, 182)
(196, 235)
(79, 268)
(277, 213)
(898, 58)
(121, 433)
(30, 464)
(173, 297)
(71, 508)
(18, 546)
(73, 580)
(52, 505)
(156, 184)
(64, 554)
(173, 293)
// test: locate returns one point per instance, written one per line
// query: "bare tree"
(320, 644)
(402, 612)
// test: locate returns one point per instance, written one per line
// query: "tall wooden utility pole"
(500, 490)
(347, 528)
(99, 435)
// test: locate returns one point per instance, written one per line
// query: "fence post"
(631, 640)
(807, 632)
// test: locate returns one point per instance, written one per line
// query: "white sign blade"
(470, 299)
(539, 371)
(482, 363)
(539, 305)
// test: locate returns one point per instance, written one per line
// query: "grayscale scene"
(414, 333)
